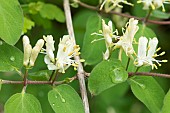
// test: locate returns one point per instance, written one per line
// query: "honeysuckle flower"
(108, 34)
(49, 47)
(146, 55)
(30, 55)
(66, 51)
(111, 4)
(154, 4)
(35, 51)
(27, 50)
(125, 41)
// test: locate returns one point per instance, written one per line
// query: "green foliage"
(11, 21)
(28, 24)
(63, 98)
(105, 75)
(0, 84)
(166, 104)
(160, 14)
(22, 103)
(79, 23)
(49, 11)
(147, 90)
(11, 58)
(144, 31)
(40, 75)
(93, 52)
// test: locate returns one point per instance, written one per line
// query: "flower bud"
(27, 54)
(35, 51)
(25, 40)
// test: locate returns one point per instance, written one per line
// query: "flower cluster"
(111, 4)
(66, 51)
(146, 54)
(31, 54)
(154, 4)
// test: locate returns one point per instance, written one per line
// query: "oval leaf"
(64, 99)
(93, 52)
(28, 24)
(165, 108)
(147, 90)
(10, 57)
(105, 75)
(51, 12)
(11, 21)
(40, 75)
(22, 103)
(160, 14)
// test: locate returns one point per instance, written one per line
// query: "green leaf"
(160, 14)
(147, 90)
(11, 21)
(144, 31)
(0, 84)
(64, 99)
(93, 52)
(105, 75)
(10, 57)
(51, 12)
(34, 8)
(165, 108)
(28, 24)
(22, 103)
(40, 75)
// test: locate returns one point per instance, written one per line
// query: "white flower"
(66, 51)
(146, 55)
(35, 51)
(27, 50)
(125, 42)
(154, 4)
(111, 4)
(108, 34)
(30, 55)
(49, 47)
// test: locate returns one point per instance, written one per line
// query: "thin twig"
(39, 82)
(123, 15)
(148, 74)
(55, 77)
(80, 69)
(31, 82)
(87, 75)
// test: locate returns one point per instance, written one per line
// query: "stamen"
(162, 53)
(164, 60)
(158, 49)
(70, 53)
(97, 40)
(82, 60)
(64, 49)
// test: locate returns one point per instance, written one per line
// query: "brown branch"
(81, 73)
(31, 82)
(123, 15)
(86, 75)
(39, 82)
(148, 74)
